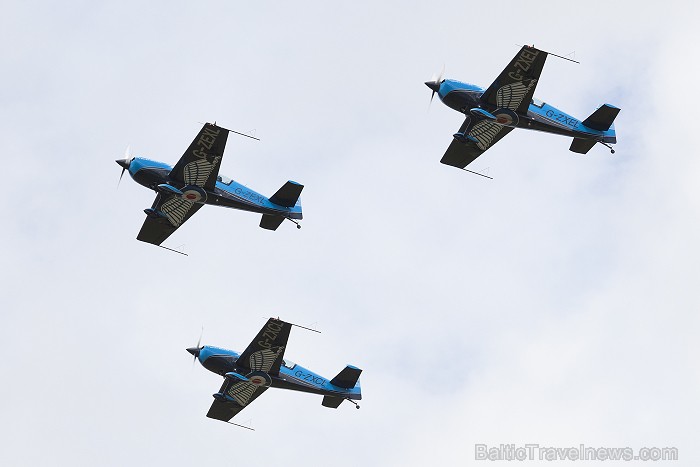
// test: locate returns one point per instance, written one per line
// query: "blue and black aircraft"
(509, 103)
(195, 181)
(262, 365)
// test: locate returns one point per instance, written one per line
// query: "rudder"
(347, 378)
(602, 119)
(288, 195)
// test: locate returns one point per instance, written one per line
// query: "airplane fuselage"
(464, 97)
(291, 376)
(227, 193)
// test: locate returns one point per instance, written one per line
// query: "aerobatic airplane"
(195, 181)
(509, 103)
(262, 365)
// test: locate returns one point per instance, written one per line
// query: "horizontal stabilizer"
(602, 118)
(288, 195)
(581, 146)
(332, 401)
(347, 378)
(270, 222)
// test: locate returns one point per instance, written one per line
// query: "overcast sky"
(556, 304)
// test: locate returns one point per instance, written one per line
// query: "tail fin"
(288, 195)
(347, 378)
(602, 119)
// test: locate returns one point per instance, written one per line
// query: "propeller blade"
(434, 84)
(195, 353)
(125, 163)
(127, 153)
(442, 72)
(199, 347)
(120, 177)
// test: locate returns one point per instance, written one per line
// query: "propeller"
(195, 350)
(435, 82)
(125, 163)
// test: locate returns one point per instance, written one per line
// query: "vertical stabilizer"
(603, 118)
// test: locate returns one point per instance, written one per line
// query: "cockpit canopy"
(224, 179)
(288, 364)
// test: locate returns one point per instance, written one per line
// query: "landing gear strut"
(296, 222)
(357, 406)
(612, 151)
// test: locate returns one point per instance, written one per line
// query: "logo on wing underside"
(262, 360)
(194, 194)
(506, 117)
(511, 95)
(243, 391)
(176, 209)
(198, 171)
(484, 132)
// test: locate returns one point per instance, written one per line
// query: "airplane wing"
(173, 211)
(266, 351)
(243, 392)
(199, 165)
(481, 133)
(515, 86)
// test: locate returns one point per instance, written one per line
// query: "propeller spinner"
(195, 350)
(125, 163)
(435, 83)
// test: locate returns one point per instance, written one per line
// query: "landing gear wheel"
(298, 226)
(612, 151)
(357, 406)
